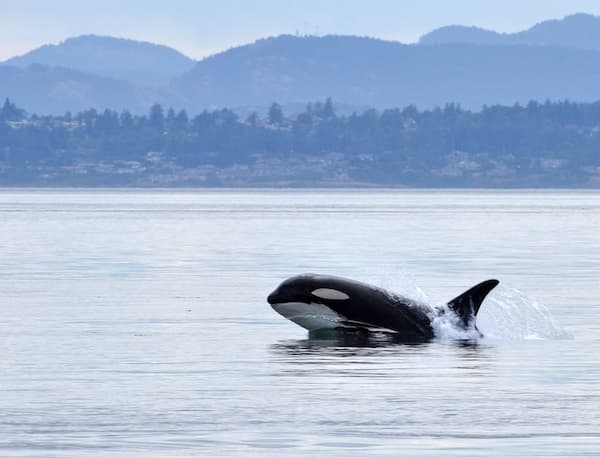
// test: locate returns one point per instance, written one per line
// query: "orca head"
(308, 300)
(308, 289)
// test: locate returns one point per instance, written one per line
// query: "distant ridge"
(459, 34)
(43, 90)
(138, 62)
(470, 66)
(575, 31)
(378, 73)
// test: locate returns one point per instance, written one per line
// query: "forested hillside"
(549, 144)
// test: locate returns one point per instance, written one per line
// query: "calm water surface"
(134, 323)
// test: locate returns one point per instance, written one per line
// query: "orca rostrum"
(321, 302)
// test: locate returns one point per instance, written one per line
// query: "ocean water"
(135, 324)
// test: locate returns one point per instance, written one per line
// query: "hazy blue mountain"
(491, 68)
(575, 31)
(138, 62)
(40, 89)
(462, 34)
(370, 72)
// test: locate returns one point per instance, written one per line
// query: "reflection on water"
(345, 343)
(359, 345)
(379, 356)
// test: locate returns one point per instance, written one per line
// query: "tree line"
(518, 134)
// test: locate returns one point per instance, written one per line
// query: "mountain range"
(555, 60)
(575, 31)
(139, 63)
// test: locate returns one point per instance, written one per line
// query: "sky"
(203, 27)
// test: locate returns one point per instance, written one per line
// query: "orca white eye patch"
(331, 294)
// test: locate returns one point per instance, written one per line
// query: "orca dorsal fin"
(467, 304)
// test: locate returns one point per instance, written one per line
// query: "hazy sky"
(202, 27)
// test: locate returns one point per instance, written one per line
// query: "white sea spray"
(506, 314)
(510, 314)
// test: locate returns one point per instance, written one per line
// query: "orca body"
(320, 302)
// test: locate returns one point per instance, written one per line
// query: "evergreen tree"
(252, 119)
(182, 120)
(157, 116)
(275, 114)
(126, 121)
(10, 112)
(170, 119)
(328, 110)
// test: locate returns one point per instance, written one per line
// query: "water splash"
(510, 314)
(447, 326)
(506, 314)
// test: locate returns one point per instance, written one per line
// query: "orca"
(322, 302)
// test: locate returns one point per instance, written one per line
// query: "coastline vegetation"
(540, 144)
